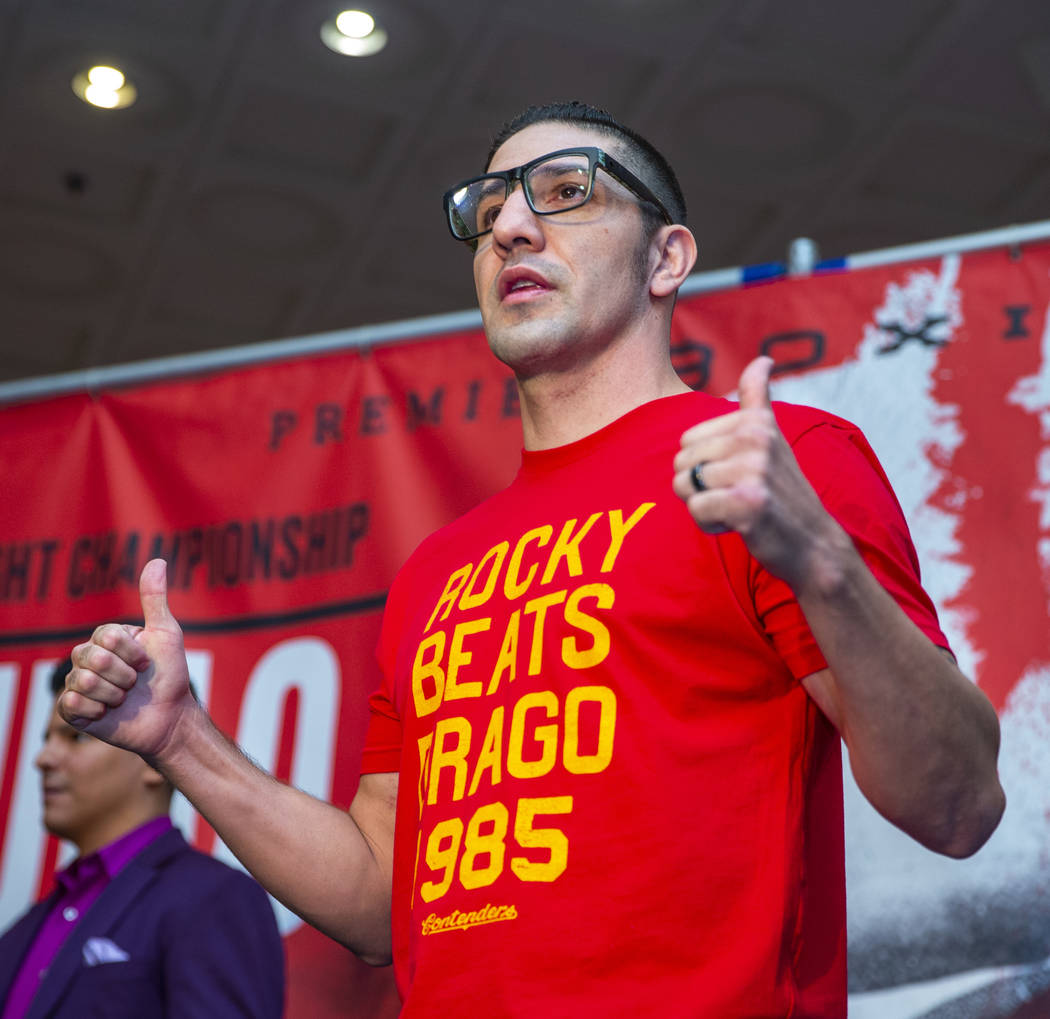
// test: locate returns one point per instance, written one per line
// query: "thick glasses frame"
(595, 157)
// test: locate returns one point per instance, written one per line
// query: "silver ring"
(696, 475)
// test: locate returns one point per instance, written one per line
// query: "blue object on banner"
(831, 264)
(763, 271)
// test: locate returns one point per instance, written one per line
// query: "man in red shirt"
(603, 769)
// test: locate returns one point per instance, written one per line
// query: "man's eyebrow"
(559, 165)
(492, 184)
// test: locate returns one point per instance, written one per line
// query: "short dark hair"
(58, 676)
(639, 154)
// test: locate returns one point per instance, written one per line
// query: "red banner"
(285, 495)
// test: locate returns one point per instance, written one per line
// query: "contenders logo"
(457, 921)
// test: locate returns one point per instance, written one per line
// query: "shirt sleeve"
(846, 474)
(384, 738)
(382, 751)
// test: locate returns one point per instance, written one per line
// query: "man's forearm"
(331, 867)
(923, 740)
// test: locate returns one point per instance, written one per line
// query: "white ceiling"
(263, 187)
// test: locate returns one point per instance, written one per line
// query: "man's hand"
(752, 482)
(922, 738)
(130, 684)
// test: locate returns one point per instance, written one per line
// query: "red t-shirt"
(615, 795)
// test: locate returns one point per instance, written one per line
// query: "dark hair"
(58, 676)
(639, 154)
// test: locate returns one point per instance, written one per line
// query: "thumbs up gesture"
(130, 684)
(737, 473)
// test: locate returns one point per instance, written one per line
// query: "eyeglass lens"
(554, 185)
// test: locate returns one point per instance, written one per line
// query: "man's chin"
(527, 343)
(56, 825)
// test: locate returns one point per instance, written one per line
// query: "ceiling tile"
(776, 124)
(725, 226)
(218, 292)
(40, 263)
(953, 167)
(1035, 59)
(70, 181)
(527, 66)
(863, 38)
(37, 343)
(314, 134)
(260, 222)
(188, 18)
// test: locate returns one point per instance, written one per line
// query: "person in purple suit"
(139, 924)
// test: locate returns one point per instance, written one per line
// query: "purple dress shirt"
(80, 884)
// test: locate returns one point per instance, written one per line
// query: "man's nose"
(45, 757)
(516, 221)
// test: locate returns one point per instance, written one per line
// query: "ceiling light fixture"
(104, 86)
(353, 33)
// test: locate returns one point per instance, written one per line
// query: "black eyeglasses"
(557, 182)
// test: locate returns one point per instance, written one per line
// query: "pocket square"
(100, 950)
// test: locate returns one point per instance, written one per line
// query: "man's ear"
(676, 255)
(152, 778)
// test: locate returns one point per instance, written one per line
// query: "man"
(139, 924)
(603, 771)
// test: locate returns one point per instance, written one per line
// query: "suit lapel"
(120, 895)
(16, 942)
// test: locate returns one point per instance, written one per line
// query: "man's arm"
(130, 687)
(923, 740)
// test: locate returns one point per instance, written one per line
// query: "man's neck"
(120, 828)
(561, 407)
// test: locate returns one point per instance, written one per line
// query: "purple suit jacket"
(175, 933)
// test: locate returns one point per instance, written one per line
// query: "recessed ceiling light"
(104, 86)
(356, 24)
(111, 78)
(353, 33)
